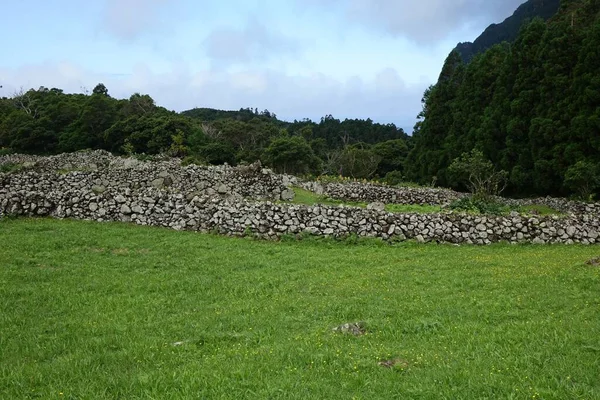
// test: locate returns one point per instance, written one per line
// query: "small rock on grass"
(396, 363)
(354, 328)
(594, 262)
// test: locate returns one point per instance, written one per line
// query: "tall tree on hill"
(429, 158)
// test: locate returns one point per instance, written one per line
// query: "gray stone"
(222, 189)
(93, 206)
(377, 206)
(287, 195)
(98, 189)
(120, 199)
(354, 328)
(137, 209)
(520, 236)
(125, 209)
(158, 183)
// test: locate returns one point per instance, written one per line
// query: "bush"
(393, 178)
(10, 167)
(583, 178)
(479, 174)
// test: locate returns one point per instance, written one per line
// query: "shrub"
(583, 178)
(10, 167)
(479, 174)
(393, 178)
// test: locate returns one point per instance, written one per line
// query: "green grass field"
(115, 311)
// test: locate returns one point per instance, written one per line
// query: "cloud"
(423, 21)
(128, 19)
(254, 42)
(384, 97)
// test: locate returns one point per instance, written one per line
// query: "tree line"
(50, 121)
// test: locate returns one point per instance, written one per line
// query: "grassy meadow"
(116, 311)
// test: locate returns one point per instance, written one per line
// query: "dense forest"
(531, 106)
(49, 121)
(508, 30)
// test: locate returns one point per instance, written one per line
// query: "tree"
(479, 174)
(392, 153)
(217, 153)
(100, 89)
(358, 162)
(290, 155)
(583, 178)
(140, 104)
(26, 101)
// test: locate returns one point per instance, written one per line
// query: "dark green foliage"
(10, 167)
(291, 155)
(583, 178)
(478, 174)
(531, 106)
(393, 155)
(48, 121)
(508, 30)
(393, 178)
(358, 162)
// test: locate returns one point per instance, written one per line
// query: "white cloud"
(423, 21)
(127, 19)
(254, 42)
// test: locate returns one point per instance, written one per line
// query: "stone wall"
(368, 192)
(99, 171)
(562, 205)
(228, 200)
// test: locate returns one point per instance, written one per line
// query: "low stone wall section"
(563, 205)
(369, 193)
(99, 171)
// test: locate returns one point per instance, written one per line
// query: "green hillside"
(532, 107)
(508, 30)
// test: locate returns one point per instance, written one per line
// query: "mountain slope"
(509, 29)
(532, 107)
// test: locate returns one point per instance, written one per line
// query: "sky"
(296, 58)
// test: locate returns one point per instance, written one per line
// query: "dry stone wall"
(239, 201)
(368, 192)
